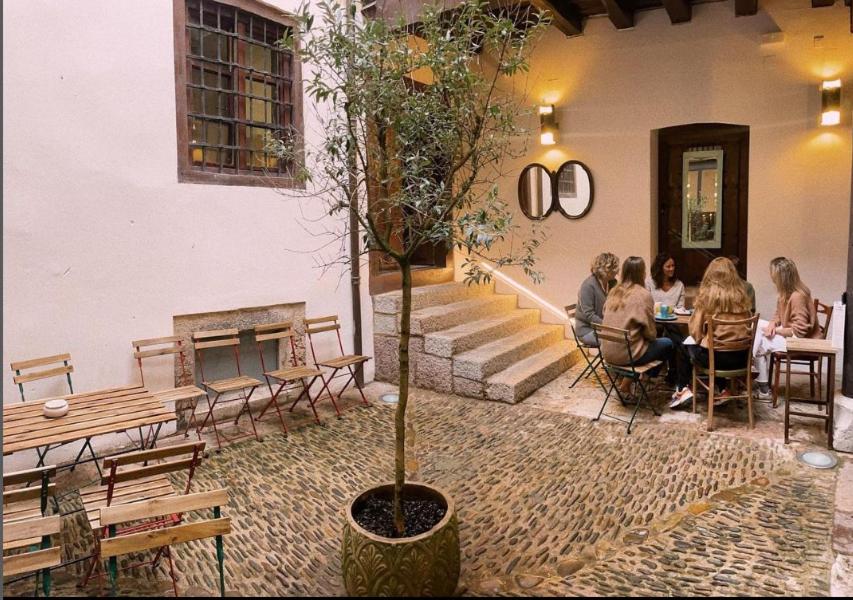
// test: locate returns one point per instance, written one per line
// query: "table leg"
(156, 434)
(787, 394)
(830, 398)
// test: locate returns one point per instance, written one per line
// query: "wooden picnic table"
(90, 414)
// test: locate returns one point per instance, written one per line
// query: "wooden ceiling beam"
(745, 8)
(564, 16)
(679, 11)
(620, 12)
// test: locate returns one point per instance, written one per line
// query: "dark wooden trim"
(847, 372)
(745, 8)
(564, 16)
(822, 3)
(679, 11)
(186, 173)
(620, 13)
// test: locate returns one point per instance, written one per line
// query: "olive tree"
(409, 162)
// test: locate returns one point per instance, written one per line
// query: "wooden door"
(673, 143)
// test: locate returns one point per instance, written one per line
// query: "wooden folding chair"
(186, 391)
(207, 340)
(586, 351)
(28, 505)
(33, 532)
(712, 373)
(20, 378)
(344, 361)
(276, 333)
(138, 481)
(633, 372)
(777, 358)
(117, 542)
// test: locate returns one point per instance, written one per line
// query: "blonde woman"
(722, 294)
(592, 295)
(629, 306)
(795, 316)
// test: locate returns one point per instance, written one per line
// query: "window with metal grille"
(237, 88)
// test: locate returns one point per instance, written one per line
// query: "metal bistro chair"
(711, 373)
(21, 378)
(777, 358)
(344, 361)
(295, 374)
(586, 351)
(206, 340)
(185, 392)
(630, 371)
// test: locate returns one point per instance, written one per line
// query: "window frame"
(187, 173)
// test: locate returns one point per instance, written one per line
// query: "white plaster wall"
(101, 244)
(612, 88)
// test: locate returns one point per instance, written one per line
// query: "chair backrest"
(571, 310)
(172, 344)
(826, 311)
(320, 325)
(20, 378)
(275, 333)
(743, 343)
(114, 545)
(18, 503)
(616, 335)
(186, 457)
(19, 534)
(219, 338)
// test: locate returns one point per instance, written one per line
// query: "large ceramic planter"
(423, 565)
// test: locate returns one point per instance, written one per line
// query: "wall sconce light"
(547, 125)
(830, 102)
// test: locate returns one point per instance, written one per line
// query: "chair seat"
(291, 373)
(94, 498)
(229, 385)
(186, 392)
(723, 374)
(638, 369)
(344, 361)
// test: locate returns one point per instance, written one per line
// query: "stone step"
(515, 383)
(478, 364)
(464, 337)
(436, 318)
(430, 295)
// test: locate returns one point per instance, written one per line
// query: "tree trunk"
(400, 418)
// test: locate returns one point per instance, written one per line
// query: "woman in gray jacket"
(593, 293)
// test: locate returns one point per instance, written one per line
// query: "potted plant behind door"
(412, 133)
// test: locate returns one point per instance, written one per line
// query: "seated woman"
(664, 286)
(592, 294)
(722, 294)
(667, 289)
(795, 316)
(629, 306)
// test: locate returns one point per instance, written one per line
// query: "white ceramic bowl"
(55, 408)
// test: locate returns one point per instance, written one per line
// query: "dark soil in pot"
(376, 515)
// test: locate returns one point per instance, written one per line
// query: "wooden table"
(822, 349)
(678, 320)
(90, 414)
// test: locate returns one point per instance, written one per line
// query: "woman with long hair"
(663, 285)
(629, 306)
(593, 294)
(722, 294)
(795, 316)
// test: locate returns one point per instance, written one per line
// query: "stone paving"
(549, 503)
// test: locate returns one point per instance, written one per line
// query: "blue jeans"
(660, 349)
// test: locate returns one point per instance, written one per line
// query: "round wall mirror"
(574, 189)
(535, 194)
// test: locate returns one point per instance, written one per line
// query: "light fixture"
(547, 125)
(830, 102)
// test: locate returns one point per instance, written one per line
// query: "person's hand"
(770, 330)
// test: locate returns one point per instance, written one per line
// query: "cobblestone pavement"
(549, 503)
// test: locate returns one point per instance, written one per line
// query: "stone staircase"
(470, 341)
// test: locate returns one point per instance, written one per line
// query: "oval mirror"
(574, 189)
(535, 194)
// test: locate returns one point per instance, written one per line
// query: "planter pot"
(422, 565)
